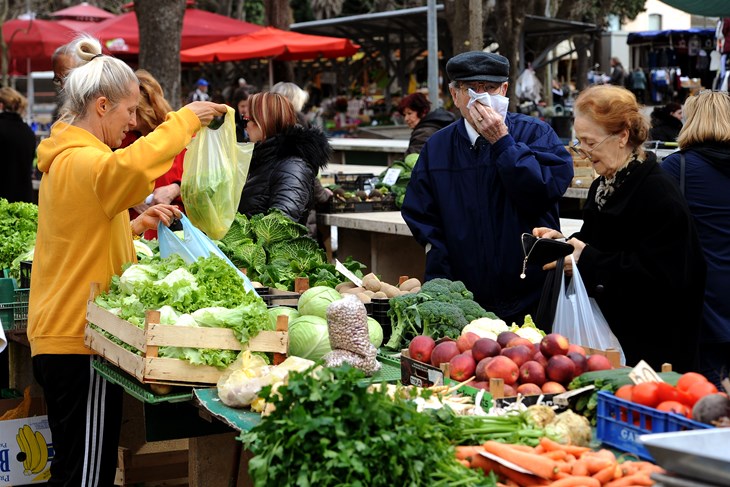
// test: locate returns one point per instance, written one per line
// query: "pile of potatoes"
(374, 288)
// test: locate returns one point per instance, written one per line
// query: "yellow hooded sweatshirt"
(84, 234)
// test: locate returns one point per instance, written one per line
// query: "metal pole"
(433, 52)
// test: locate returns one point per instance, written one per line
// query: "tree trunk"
(160, 28)
(461, 13)
(278, 14)
(510, 18)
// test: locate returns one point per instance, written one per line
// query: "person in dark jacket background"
(480, 183)
(416, 111)
(17, 144)
(637, 251)
(286, 159)
(705, 143)
(666, 122)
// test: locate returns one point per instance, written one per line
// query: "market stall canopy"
(79, 16)
(121, 34)
(31, 43)
(708, 8)
(665, 36)
(271, 42)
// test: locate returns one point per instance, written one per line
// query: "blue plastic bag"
(192, 246)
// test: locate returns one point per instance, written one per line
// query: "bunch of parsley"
(329, 429)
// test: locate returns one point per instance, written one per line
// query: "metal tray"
(698, 454)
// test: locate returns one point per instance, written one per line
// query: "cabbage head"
(309, 337)
(375, 331)
(282, 310)
(314, 301)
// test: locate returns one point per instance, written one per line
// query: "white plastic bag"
(580, 320)
(214, 173)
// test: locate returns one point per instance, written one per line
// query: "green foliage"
(18, 227)
(275, 226)
(329, 428)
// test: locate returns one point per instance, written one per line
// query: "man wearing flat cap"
(480, 183)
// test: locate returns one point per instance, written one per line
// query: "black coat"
(644, 266)
(430, 124)
(664, 127)
(282, 173)
(17, 144)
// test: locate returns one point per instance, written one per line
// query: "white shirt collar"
(471, 132)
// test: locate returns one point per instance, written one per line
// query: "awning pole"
(433, 53)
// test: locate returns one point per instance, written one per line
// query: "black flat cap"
(478, 66)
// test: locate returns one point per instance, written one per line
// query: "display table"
(383, 242)
(379, 152)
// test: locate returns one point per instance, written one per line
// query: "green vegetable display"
(18, 227)
(399, 188)
(275, 250)
(309, 337)
(442, 308)
(327, 429)
(314, 301)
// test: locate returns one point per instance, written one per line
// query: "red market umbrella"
(33, 42)
(82, 12)
(271, 42)
(121, 34)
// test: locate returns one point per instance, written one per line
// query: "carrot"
(485, 464)
(576, 481)
(555, 454)
(551, 445)
(580, 468)
(605, 474)
(538, 464)
(618, 471)
(511, 483)
(539, 449)
(464, 462)
(520, 478)
(570, 458)
(466, 452)
(526, 448)
(564, 466)
(596, 463)
(631, 480)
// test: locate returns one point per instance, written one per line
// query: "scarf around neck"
(608, 186)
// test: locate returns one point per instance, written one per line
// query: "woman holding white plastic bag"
(637, 251)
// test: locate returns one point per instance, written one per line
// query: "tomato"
(668, 392)
(646, 394)
(701, 389)
(674, 407)
(689, 378)
(624, 392)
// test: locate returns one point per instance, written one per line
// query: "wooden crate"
(149, 367)
(154, 463)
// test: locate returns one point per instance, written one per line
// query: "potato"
(389, 290)
(415, 290)
(341, 287)
(409, 284)
(369, 293)
(364, 298)
(353, 290)
(371, 282)
(256, 284)
(379, 295)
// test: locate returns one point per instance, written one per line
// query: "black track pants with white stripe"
(85, 416)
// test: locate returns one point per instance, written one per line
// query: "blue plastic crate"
(620, 423)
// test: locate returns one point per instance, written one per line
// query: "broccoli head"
(441, 286)
(438, 319)
(471, 309)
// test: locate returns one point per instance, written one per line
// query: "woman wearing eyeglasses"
(637, 251)
(286, 159)
(704, 143)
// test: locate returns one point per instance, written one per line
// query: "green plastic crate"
(135, 388)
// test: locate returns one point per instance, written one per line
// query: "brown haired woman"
(286, 159)
(151, 112)
(17, 144)
(415, 109)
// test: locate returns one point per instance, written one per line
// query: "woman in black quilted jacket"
(286, 159)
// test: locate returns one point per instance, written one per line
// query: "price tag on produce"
(391, 176)
(644, 373)
(347, 273)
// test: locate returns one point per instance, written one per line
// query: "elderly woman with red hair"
(416, 110)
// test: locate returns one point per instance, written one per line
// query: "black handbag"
(541, 251)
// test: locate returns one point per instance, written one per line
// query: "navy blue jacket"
(469, 207)
(707, 179)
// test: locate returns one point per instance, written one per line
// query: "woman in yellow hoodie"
(84, 236)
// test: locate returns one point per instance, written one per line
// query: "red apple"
(529, 389)
(443, 352)
(481, 369)
(421, 348)
(509, 391)
(579, 361)
(462, 367)
(532, 372)
(504, 338)
(501, 367)
(560, 369)
(521, 341)
(480, 384)
(485, 347)
(540, 358)
(466, 341)
(552, 387)
(598, 362)
(576, 348)
(554, 344)
(519, 354)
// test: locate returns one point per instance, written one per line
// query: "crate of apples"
(526, 368)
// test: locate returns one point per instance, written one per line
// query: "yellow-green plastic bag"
(214, 172)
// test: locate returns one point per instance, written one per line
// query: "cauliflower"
(486, 327)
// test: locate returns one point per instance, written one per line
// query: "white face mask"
(498, 103)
